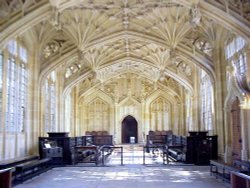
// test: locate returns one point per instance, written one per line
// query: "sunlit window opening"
(236, 53)
(206, 101)
(50, 103)
(16, 86)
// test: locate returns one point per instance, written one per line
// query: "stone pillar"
(245, 124)
(195, 103)
(219, 92)
(116, 140)
(181, 114)
(77, 115)
(146, 118)
(81, 114)
(143, 123)
(60, 100)
(228, 140)
(35, 125)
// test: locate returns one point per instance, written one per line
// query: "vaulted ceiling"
(102, 39)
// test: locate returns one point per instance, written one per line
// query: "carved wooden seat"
(5, 178)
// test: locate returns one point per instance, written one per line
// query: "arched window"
(50, 103)
(206, 93)
(240, 64)
(16, 86)
(236, 45)
(235, 52)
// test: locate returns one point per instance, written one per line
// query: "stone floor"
(133, 174)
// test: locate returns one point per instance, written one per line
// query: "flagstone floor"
(131, 174)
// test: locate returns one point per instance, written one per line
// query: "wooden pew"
(101, 140)
(6, 178)
(32, 168)
(223, 170)
(240, 180)
(13, 162)
(98, 138)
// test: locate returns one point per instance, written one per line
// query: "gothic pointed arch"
(129, 130)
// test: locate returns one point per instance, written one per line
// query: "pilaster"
(219, 94)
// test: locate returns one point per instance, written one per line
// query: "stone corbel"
(55, 18)
(195, 16)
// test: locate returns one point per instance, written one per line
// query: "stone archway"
(129, 129)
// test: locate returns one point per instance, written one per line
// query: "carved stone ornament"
(55, 19)
(195, 16)
(50, 49)
(204, 46)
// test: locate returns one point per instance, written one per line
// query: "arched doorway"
(129, 129)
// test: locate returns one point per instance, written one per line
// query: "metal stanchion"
(144, 154)
(121, 155)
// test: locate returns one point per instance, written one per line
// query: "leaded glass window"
(236, 53)
(16, 87)
(236, 45)
(206, 93)
(50, 103)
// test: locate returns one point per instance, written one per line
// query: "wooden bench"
(223, 170)
(240, 180)
(12, 163)
(32, 168)
(9, 163)
(5, 178)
